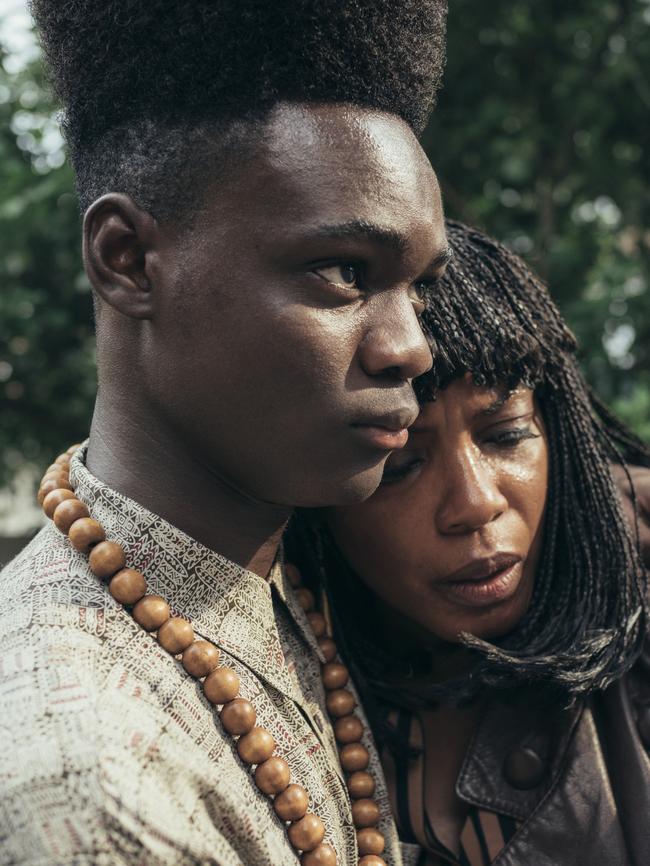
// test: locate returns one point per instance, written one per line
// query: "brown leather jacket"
(578, 780)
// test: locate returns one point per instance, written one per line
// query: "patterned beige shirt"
(109, 752)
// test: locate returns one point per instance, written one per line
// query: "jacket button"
(643, 724)
(523, 769)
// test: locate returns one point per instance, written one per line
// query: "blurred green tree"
(47, 378)
(541, 138)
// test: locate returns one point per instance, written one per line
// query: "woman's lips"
(484, 583)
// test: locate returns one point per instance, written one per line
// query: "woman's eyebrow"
(497, 404)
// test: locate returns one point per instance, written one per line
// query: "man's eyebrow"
(364, 229)
(381, 235)
(442, 259)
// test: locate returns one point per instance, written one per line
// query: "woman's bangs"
(480, 320)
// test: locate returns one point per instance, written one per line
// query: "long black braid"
(492, 317)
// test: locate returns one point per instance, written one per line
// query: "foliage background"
(541, 137)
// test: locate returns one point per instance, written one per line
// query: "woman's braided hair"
(491, 317)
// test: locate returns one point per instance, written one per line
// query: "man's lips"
(387, 432)
(381, 437)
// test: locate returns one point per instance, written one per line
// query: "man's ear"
(117, 235)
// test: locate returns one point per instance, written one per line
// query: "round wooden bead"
(54, 498)
(63, 460)
(273, 775)
(294, 576)
(175, 635)
(365, 813)
(292, 803)
(151, 612)
(106, 559)
(317, 623)
(335, 675)
(221, 686)
(238, 716)
(361, 784)
(353, 757)
(328, 648)
(128, 586)
(340, 702)
(85, 532)
(348, 729)
(370, 841)
(200, 658)
(305, 598)
(256, 746)
(306, 833)
(67, 512)
(322, 855)
(372, 860)
(54, 471)
(52, 482)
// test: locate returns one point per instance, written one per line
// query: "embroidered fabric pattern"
(116, 754)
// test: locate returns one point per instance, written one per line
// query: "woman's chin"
(486, 624)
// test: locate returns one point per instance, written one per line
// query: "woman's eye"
(513, 436)
(396, 471)
(345, 275)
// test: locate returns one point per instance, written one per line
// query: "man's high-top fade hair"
(491, 317)
(155, 92)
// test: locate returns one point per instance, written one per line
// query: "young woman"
(490, 598)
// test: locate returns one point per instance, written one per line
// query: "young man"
(260, 226)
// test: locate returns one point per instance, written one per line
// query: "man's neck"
(167, 479)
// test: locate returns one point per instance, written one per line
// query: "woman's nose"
(470, 495)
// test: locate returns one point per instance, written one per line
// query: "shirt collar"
(226, 603)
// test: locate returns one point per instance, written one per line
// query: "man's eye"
(418, 293)
(422, 288)
(345, 275)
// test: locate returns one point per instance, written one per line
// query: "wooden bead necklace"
(200, 658)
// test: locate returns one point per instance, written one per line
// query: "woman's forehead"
(471, 400)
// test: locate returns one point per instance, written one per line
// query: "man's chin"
(350, 490)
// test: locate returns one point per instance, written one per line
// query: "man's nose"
(470, 496)
(394, 345)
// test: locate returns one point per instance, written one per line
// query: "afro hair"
(134, 78)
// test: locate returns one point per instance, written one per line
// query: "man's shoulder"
(113, 750)
(33, 557)
(47, 691)
(49, 582)
(54, 616)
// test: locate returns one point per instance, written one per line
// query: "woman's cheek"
(525, 484)
(375, 545)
